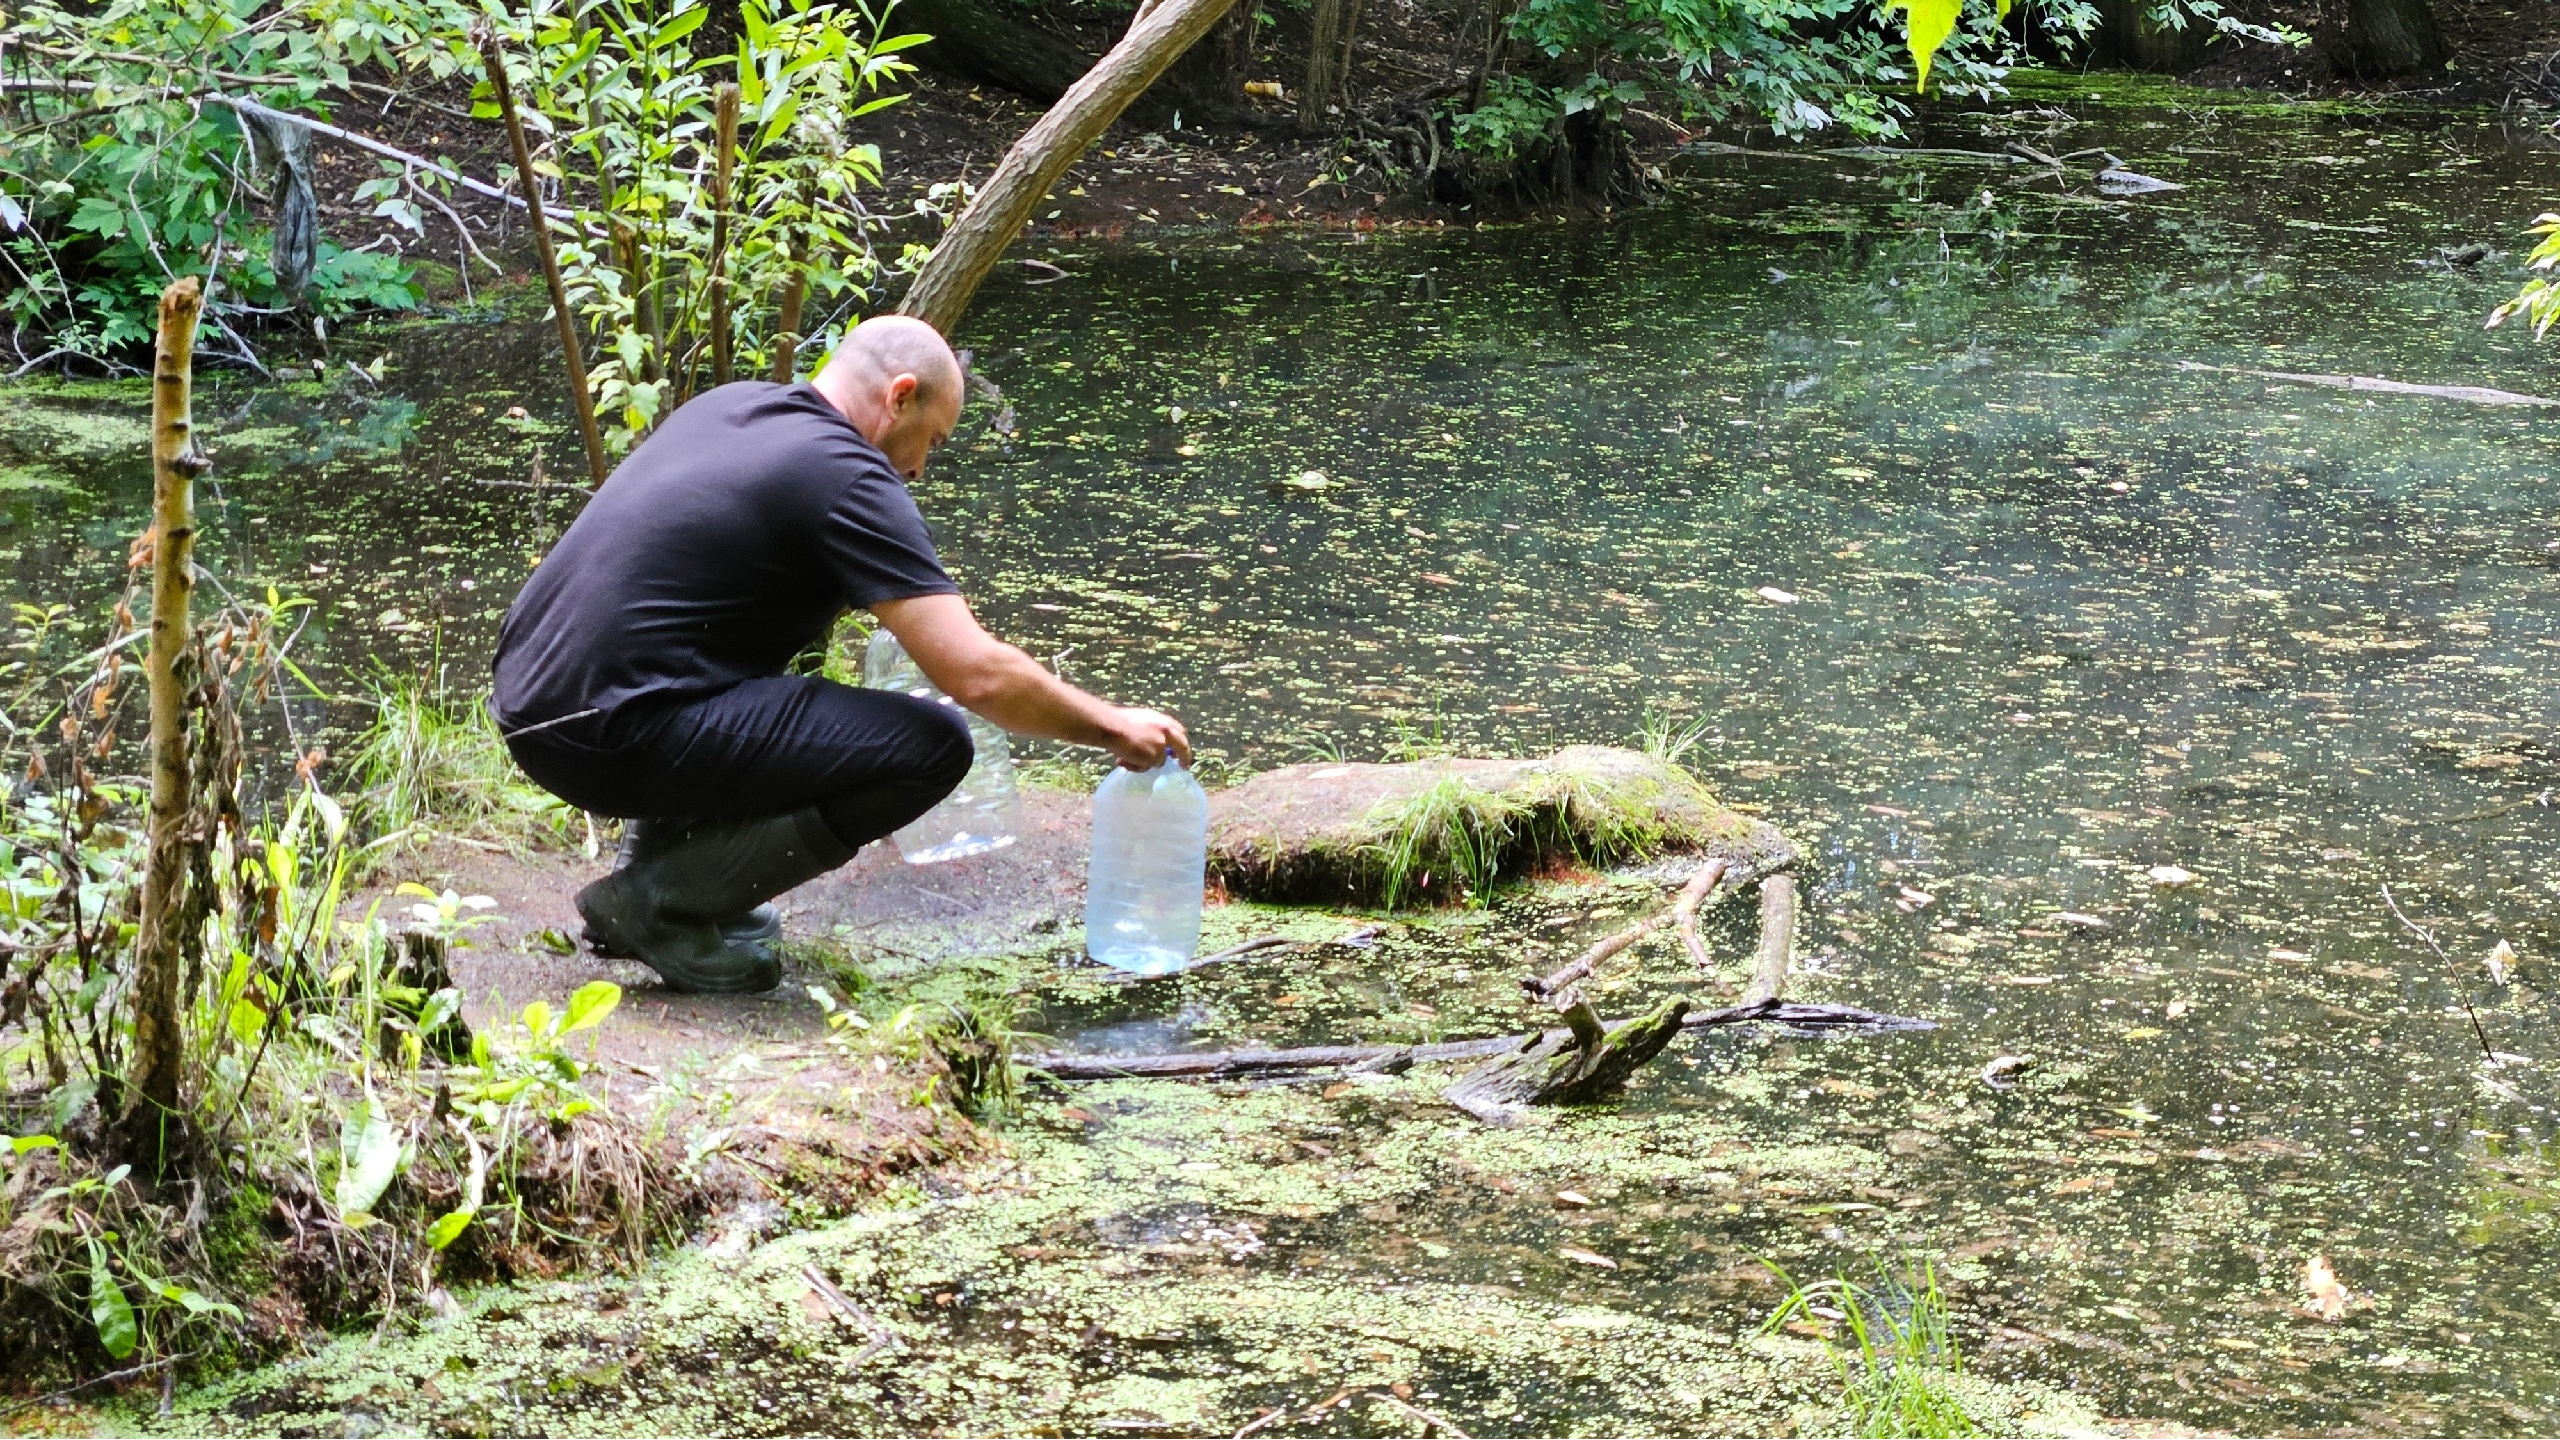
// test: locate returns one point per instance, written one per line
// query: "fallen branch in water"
(1226, 1064)
(1683, 912)
(1589, 1059)
(2468, 394)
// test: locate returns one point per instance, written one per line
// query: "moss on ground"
(1177, 1258)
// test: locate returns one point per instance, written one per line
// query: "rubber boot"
(643, 838)
(663, 910)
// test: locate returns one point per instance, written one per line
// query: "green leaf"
(108, 1309)
(440, 1007)
(588, 1007)
(1929, 23)
(247, 1021)
(194, 1302)
(21, 1144)
(683, 25)
(368, 1157)
(448, 1227)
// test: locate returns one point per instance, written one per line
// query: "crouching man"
(640, 672)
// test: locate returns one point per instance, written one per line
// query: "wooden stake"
(952, 274)
(724, 133)
(152, 1118)
(573, 355)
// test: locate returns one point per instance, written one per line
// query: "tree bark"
(952, 274)
(153, 1121)
(2394, 37)
(1326, 21)
(573, 354)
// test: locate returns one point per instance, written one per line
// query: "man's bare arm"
(1017, 692)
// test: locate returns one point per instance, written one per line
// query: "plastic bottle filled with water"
(1150, 857)
(985, 813)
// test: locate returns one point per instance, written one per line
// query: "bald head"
(896, 379)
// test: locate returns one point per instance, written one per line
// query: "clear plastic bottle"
(1142, 892)
(985, 812)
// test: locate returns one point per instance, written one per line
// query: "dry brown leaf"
(1580, 1256)
(2323, 1297)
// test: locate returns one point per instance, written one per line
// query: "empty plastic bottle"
(1150, 856)
(985, 812)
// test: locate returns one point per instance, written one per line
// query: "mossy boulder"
(1434, 831)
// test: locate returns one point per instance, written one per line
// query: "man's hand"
(1017, 692)
(1141, 737)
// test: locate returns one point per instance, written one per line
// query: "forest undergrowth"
(350, 1143)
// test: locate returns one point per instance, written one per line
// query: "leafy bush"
(131, 169)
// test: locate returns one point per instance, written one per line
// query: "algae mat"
(1163, 1259)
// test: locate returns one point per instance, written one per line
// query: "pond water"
(2065, 608)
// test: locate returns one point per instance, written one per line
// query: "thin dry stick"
(572, 352)
(1553, 984)
(2452, 972)
(881, 1335)
(1685, 911)
(1259, 1421)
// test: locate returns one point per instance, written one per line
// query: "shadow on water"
(2064, 613)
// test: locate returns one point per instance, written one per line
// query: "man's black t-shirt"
(727, 543)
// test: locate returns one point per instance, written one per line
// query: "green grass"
(1449, 831)
(1898, 1361)
(432, 764)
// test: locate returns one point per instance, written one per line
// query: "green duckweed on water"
(2060, 614)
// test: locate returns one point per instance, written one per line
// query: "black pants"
(870, 760)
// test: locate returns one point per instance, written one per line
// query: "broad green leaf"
(368, 1157)
(588, 1007)
(108, 1309)
(537, 1018)
(440, 1007)
(248, 1022)
(1929, 23)
(21, 1144)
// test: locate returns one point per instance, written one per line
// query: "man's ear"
(902, 393)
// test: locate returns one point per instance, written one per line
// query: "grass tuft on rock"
(1457, 830)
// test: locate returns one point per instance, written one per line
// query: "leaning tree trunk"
(1162, 30)
(153, 1122)
(2394, 37)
